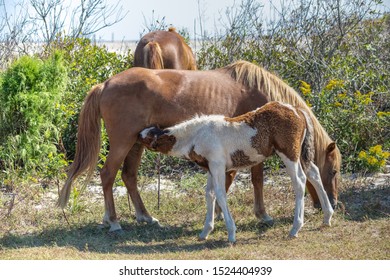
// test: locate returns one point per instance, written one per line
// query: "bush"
(88, 65)
(351, 119)
(30, 93)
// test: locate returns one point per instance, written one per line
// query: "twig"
(158, 179)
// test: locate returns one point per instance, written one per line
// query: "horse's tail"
(88, 142)
(153, 56)
(308, 148)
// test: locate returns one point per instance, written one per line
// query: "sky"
(179, 13)
(182, 14)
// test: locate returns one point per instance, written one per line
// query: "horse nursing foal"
(221, 144)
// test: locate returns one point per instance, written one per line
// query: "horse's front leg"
(314, 177)
(210, 205)
(257, 182)
(217, 171)
(129, 176)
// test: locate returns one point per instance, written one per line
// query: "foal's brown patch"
(240, 159)
(198, 159)
(164, 143)
(278, 128)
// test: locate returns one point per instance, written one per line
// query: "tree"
(33, 23)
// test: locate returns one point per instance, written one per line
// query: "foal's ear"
(331, 147)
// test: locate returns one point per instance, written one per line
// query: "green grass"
(33, 228)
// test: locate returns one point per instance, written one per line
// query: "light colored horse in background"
(138, 98)
(219, 144)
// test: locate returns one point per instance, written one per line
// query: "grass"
(33, 228)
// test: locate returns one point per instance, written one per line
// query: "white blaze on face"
(144, 133)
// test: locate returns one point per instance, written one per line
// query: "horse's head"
(156, 139)
(330, 173)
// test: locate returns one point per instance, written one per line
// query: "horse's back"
(176, 54)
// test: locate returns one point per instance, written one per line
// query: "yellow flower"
(376, 150)
(362, 154)
(372, 160)
(334, 84)
(342, 96)
(338, 104)
(305, 88)
(383, 114)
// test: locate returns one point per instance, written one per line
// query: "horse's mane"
(275, 89)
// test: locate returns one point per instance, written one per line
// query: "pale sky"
(179, 13)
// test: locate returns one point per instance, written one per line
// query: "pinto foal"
(221, 144)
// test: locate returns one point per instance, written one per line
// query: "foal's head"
(330, 173)
(156, 139)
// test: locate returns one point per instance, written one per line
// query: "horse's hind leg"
(228, 182)
(257, 182)
(129, 176)
(108, 173)
(298, 180)
(218, 182)
(313, 175)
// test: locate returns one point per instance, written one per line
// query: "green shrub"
(351, 119)
(88, 65)
(30, 93)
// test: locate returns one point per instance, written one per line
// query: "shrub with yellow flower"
(374, 159)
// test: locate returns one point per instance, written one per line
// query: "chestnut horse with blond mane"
(164, 50)
(138, 98)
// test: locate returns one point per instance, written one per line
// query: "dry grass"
(33, 228)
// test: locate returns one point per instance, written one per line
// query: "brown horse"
(138, 98)
(218, 143)
(164, 50)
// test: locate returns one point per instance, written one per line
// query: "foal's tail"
(153, 56)
(308, 148)
(88, 142)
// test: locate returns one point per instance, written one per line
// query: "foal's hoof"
(325, 225)
(292, 236)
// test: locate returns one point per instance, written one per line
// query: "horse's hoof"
(117, 232)
(325, 225)
(102, 226)
(268, 223)
(292, 236)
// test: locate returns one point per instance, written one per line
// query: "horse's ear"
(331, 147)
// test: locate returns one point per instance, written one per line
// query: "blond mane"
(275, 89)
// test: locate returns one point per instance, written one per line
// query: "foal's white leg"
(217, 172)
(314, 177)
(210, 205)
(298, 179)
